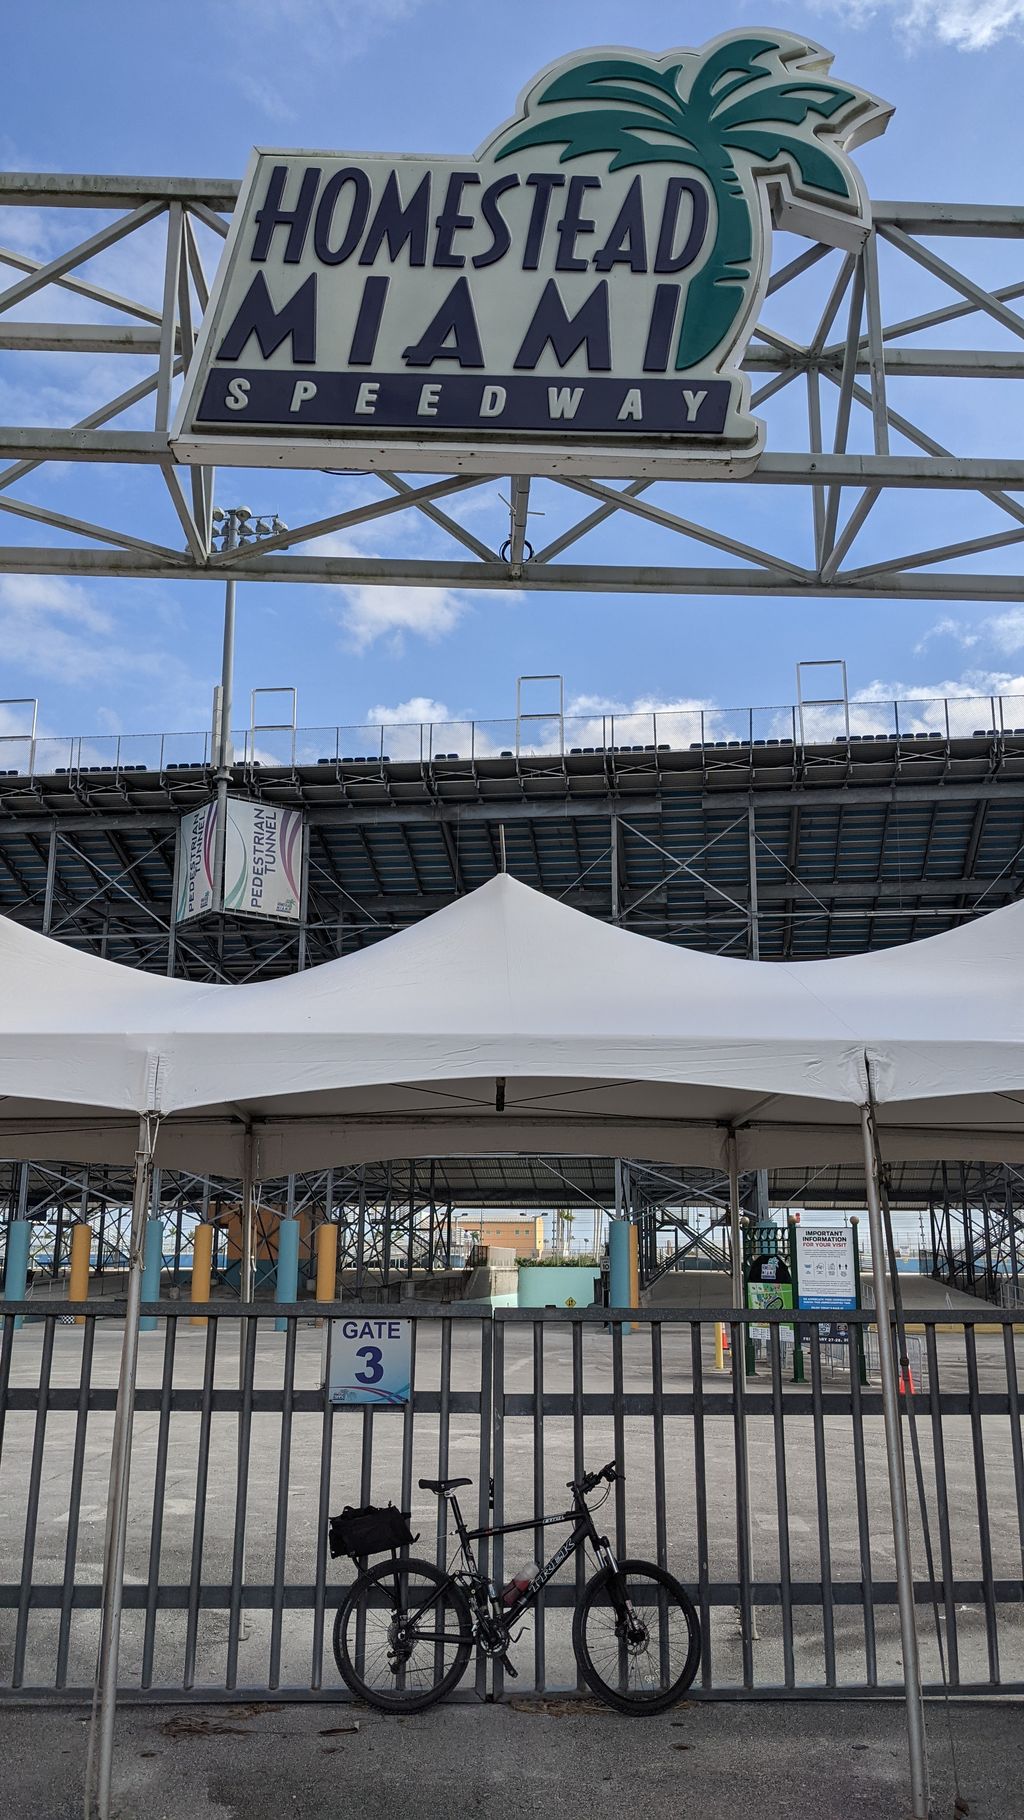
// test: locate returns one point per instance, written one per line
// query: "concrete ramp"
(690, 1289)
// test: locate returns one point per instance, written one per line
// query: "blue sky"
(189, 88)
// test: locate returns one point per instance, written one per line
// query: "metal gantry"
(850, 367)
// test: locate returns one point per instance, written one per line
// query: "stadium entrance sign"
(577, 296)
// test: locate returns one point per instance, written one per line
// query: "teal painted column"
(618, 1264)
(287, 1289)
(152, 1267)
(19, 1233)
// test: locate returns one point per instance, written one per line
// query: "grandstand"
(795, 832)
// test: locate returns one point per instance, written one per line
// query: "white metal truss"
(832, 362)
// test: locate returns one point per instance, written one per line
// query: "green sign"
(770, 1295)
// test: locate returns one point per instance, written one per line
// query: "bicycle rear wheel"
(637, 1637)
(403, 1636)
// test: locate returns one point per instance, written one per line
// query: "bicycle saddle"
(442, 1485)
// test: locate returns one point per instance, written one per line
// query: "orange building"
(522, 1233)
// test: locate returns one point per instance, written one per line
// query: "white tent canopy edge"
(606, 1043)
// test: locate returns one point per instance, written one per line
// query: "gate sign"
(262, 865)
(369, 1361)
(575, 297)
(824, 1265)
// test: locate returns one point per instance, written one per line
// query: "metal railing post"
(917, 1738)
(101, 1738)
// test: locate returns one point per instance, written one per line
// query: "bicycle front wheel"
(403, 1636)
(637, 1637)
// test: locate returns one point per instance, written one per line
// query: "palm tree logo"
(758, 122)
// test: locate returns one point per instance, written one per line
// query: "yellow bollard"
(723, 1344)
(78, 1281)
(202, 1262)
(326, 1261)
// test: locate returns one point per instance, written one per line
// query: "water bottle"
(519, 1583)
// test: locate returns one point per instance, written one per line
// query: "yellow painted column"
(326, 1261)
(78, 1282)
(634, 1266)
(202, 1268)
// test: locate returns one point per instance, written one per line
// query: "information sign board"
(825, 1269)
(369, 1361)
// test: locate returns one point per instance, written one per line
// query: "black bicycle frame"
(585, 1531)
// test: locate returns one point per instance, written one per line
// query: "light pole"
(233, 527)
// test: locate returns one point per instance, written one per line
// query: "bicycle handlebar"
(591, 1480)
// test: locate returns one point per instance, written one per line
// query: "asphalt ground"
(514, 1762)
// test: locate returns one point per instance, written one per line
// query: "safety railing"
(766, 1495)
(623, 738)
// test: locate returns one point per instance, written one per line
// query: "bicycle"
(406, 1630)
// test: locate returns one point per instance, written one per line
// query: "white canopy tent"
(508, 1022)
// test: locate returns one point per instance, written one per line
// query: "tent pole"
(246, 1292)
(745, 1614)
(917, 1739)
(734, 1223)
(101, 1737)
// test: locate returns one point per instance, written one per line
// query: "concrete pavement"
(527, 1760)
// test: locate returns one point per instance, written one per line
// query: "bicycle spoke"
(402, 1637)
(642, 1651)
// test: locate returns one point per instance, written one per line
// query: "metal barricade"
(767, 1497)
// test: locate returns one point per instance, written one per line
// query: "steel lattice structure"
(774, 844)
(828, 366)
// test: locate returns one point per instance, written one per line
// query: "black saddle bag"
(371, 1530)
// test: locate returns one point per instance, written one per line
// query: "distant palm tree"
(732, 124)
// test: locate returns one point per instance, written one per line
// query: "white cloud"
(596, 720)
(369, 613)
(1006, 630)
(644, 704)
(270, 39)
(968, 25)
(871, 707)
(1003, 631)
(51, 629)
(418, 708)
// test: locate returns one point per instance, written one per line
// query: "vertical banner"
(263, 862)
(197, 871)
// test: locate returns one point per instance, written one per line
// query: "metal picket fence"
(767, 1497)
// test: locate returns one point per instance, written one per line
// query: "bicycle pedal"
(512, 1673)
